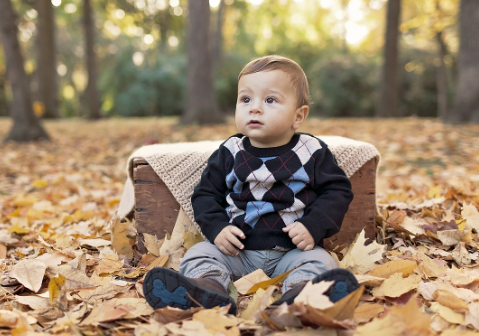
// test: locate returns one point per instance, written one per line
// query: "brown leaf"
(123, 236)
(29, 272)
(405, 267)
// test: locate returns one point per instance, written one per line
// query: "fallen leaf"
(221, 325)
(271, 282)
(260, 301)
(360, 258)
(447, 313)
(152, 244)
(396, 285)
(454, 237)
(460, 255)
(191, 239)
(57, 291)
(366, 312)
(313, 295)
(244, 284)
(446, 298)
(123, 236)
(405, 267)
(8, 319)
(29, 272)
(33, 301)
(470, 213)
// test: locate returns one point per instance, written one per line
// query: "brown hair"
(290, 67)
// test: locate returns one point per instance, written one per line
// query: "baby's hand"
(300, 236)
(227, 242)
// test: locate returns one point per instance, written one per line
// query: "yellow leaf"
(39, 184)
(430, 267)
(266, 283)
(260, 301)
(57, 294)
(191, 239)
(123, 237)
(215, 322)
(368, 311)
(396, 285)
(22, 200)
(158, 262)
(38, 108)
(447, 313)
(244, 284)
(448, 299)
(18, 229)
(405, 267)
(360, 258)
(470, 213)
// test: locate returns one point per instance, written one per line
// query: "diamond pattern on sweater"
(270, 191)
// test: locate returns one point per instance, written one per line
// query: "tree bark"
(389, 90)
(218, 38)
(26, 126)
(466, 100)
(47, 72)
(201, 105)
(441, 78)
(92, 95)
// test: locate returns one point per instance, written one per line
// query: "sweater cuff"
(315, 226)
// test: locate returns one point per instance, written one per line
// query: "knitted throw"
(180, 165)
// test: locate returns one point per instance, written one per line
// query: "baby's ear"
(300, 116)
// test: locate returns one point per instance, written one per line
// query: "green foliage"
(149, 90)
(343, 86)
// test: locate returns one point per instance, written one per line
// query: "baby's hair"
(290, 67)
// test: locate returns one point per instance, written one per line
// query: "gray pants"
(205, 260)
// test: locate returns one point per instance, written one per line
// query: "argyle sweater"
(261, 190)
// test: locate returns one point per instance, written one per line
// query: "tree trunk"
(201, 106)
(466, 100)
(47, 72)
(389, 90)
(92, 95)
(441, 78)
(218, 38)
(26, 126)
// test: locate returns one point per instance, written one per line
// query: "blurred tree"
(388, 90)
(92, 95)
(201, 105)
(466, 101)
(218, 33)
(26, 126)
(47, 52)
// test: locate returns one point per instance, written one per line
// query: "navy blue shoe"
(165, 287)
(344, 283)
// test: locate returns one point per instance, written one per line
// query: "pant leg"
(309, 264)
(205, 260)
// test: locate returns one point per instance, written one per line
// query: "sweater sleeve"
(323, 218)
(209, 197)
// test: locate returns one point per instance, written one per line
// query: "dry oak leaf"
(123, 236)
(313, 295)
(261, 300)
(431, 268)
(448, 299)
(405, 267)
(114, 309)
(216, 322)
(368, 311)
(470, 213)
(405, 320)
(74, 278)
(340, 315)
(396, 285)
(271, 282)
(447, 313)
(249, 280)
(30, 273)
(360, 258)
(454, 237)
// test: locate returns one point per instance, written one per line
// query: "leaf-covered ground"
(61, 274)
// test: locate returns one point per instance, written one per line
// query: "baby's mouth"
(254, 122)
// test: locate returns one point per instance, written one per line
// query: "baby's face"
(266, 108)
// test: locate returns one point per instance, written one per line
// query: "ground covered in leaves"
(61, 273)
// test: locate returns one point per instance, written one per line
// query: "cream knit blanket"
(180, 165)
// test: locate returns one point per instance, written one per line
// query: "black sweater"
(261, 190)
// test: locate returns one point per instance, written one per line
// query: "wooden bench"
(156, 210)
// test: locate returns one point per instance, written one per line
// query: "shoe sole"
(164, 287)
(336, 275)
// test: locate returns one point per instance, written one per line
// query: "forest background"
(135, 52)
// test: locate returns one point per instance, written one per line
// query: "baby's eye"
(270, 100)
(245, 99)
